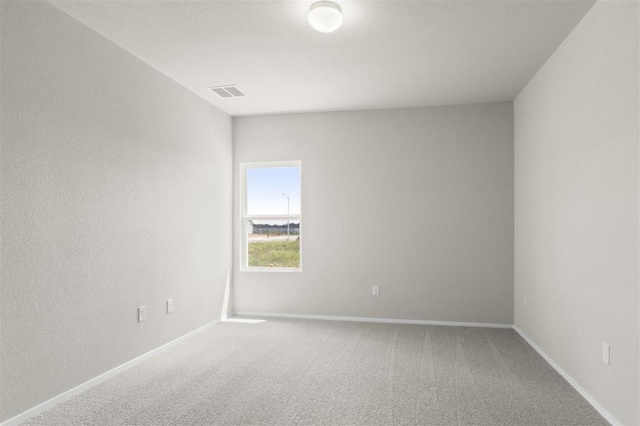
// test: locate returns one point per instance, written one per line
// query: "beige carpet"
(306, 372)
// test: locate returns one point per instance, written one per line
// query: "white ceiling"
(387, 54)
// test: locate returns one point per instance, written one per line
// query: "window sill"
(269, 269)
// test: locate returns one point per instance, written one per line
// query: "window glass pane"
(273, 190)
(274, 243)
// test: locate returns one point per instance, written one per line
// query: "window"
(271, 216)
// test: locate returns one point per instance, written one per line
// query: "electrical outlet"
(375, 290)
(169, 305)
(525, 302)
(142, 313)
(606, 353)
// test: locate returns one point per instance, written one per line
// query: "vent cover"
(232, 91)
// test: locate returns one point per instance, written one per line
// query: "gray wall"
(441, 181)
(576, 206)
(115, 191)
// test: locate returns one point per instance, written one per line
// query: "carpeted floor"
(307, 372)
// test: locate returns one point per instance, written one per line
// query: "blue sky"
(265, 186)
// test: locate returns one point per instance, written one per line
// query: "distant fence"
(263, 229)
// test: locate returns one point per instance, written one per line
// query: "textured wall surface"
(418, 201)
(115, 193)
(576, 206)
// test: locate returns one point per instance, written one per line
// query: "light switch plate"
(606, 353)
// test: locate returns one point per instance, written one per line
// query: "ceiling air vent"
(228, 91)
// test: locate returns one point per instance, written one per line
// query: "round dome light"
(325, 16)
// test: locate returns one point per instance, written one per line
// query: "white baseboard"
(381, 320)
(32, 412)
(590, 399)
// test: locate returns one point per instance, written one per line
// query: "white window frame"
(244, 217)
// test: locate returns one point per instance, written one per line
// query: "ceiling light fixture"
(325, 16)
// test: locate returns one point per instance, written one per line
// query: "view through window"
(271, 215)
